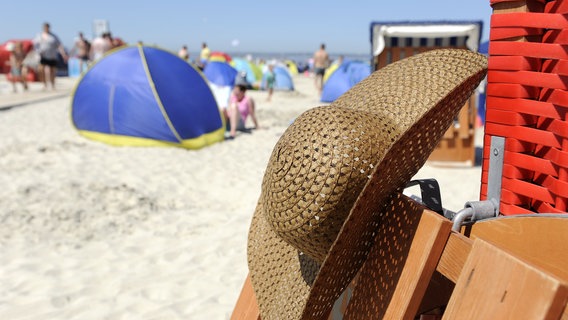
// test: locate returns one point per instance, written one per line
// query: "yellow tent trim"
(292, 67)
(218, 59)
(119, 140)
(329, 71)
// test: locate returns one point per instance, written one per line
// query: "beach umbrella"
(146, 96)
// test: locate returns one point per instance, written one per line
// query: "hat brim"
(283, 277)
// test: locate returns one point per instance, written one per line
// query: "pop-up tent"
(219, 56)
(282, 79)
(145, 96)
(220, 73)
(221, 77)
(253, 72)
(345, 76)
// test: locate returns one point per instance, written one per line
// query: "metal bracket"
(430, 195)
(495, 172)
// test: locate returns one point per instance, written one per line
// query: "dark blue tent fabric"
(145, 92)
(220, 73)
(343, 78)
(484, 47)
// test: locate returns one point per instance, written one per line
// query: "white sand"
(91, 231)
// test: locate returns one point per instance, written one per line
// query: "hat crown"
(316, 172)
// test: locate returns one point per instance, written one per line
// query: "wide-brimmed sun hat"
(332, 172)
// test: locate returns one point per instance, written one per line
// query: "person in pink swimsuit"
(240, 108)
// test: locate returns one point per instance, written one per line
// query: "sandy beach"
(92, 231)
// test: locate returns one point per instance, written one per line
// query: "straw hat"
(331, 173)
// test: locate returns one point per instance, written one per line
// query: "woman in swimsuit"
(240, 107)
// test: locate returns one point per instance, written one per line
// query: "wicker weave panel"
(527, 103)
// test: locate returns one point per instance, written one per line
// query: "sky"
(293, 26)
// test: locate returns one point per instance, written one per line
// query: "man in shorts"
(82, 49)
(321, 61)
(48, 45)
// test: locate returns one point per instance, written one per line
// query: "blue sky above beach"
(235, 26)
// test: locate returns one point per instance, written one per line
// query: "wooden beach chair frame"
(497, 271)
(457, 146)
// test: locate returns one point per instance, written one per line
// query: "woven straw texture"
(386, 260)
(330, 176)
(527, 103)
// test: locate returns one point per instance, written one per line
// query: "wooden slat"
(494, 284)
(454, 256)
(395, 54)
(522, 248)
(463, 119)
(541, 240)
(427, 246)
(517, 6)
(406, 249)
(246, 307)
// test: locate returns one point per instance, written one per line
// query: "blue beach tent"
(348, 74)
(253, 72)
(146, 96)
(221, 77)
(282, 79)
(220, 73)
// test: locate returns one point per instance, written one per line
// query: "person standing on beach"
(321, 61)
(100, 46)
(18, 71)
(270, 80)
(183, 53)
(48, 45)
(81, 51)
(204, 55)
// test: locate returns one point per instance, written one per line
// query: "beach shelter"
(343, 78)
(220, 56)
(254, 73)
(221, 77)
(484, 47)
(331, 69)
(220, 73)
(395, 40)
(146, 96)
(282, 79)
(292, 67)
(7, 47)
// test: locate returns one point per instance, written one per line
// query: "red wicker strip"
(527, 104)
(529, 78)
